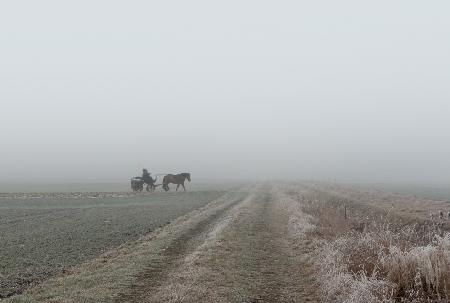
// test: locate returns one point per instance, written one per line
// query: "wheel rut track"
(268, 287)
(154, 274)
(266, 266)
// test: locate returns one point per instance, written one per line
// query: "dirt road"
(241, 253)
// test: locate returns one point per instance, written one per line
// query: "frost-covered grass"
(387, 260)
(372, 255)
(299, 222)
(384, 266)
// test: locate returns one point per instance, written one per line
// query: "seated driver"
(145, 174)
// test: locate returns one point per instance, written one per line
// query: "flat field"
(43, 234)
(264, 242)
(428, 191)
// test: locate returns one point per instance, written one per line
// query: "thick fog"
(346, 90)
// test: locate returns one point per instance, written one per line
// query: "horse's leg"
(178, 185)
(183, 186)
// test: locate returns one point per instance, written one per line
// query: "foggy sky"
(351, 90)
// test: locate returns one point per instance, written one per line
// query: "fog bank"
(346, 90)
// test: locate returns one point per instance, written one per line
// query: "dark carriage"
(137, 184)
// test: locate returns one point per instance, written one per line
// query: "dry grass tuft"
(373, 256)
(385, 267)
(299, 222)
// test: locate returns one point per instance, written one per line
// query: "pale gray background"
(352, 90)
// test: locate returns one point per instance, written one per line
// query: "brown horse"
(176, 179)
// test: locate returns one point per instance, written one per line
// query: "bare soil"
(42, 235)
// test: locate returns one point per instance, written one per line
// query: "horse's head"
(187, 176)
